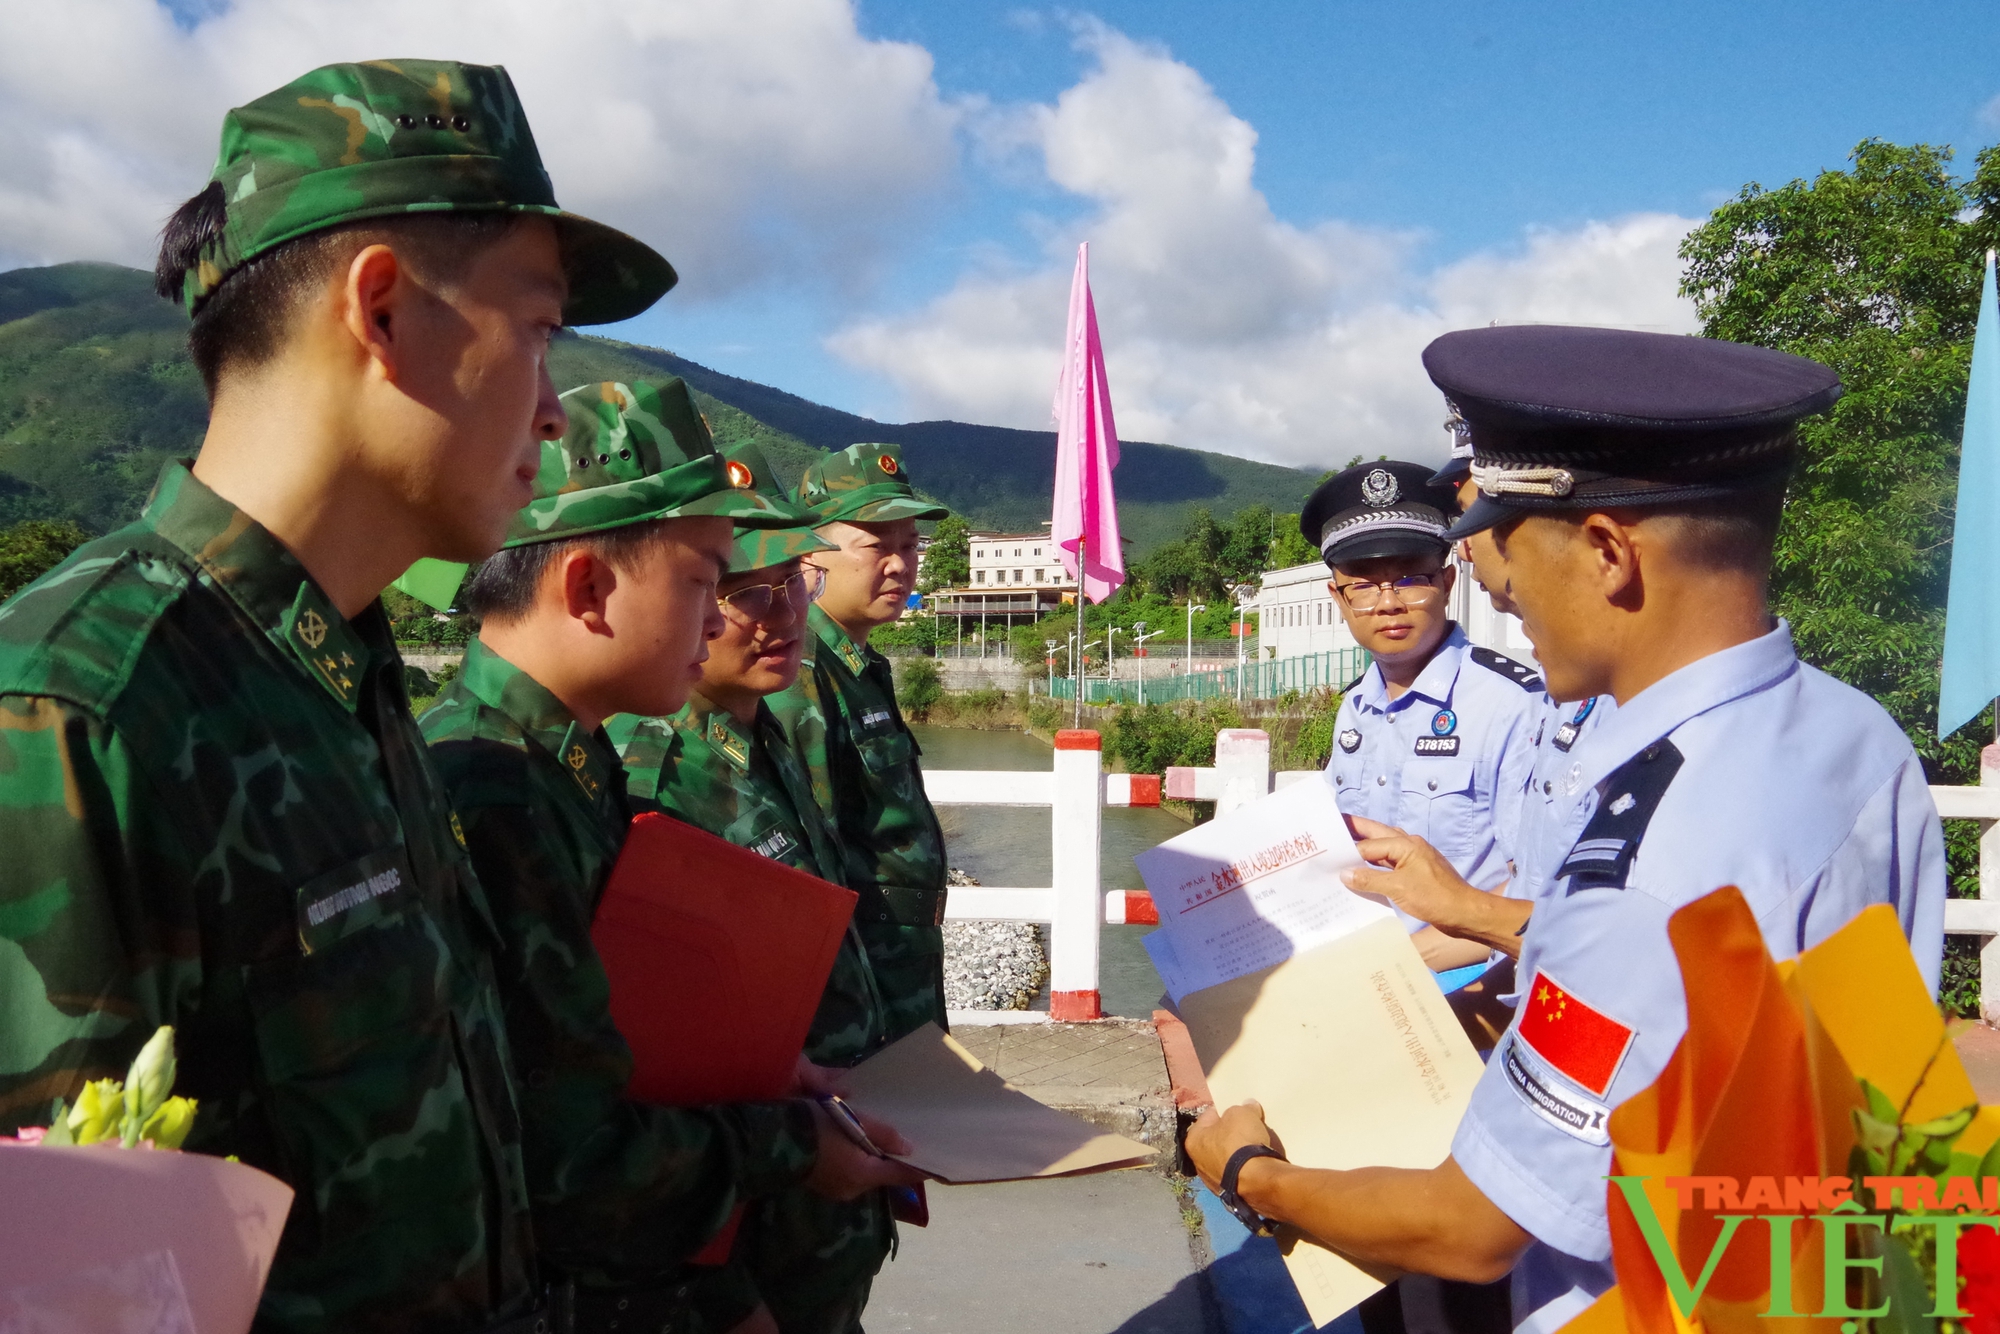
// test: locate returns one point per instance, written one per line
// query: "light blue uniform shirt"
(1448, 759)
(1746, 768)
(1558, 734)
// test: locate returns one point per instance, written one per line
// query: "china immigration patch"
(1585, 1045)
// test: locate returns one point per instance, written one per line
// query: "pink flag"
(1086, 450)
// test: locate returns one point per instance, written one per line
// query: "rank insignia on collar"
(1444, 722)
(1350, 739)
(580, 768)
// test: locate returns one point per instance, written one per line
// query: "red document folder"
(717, 959)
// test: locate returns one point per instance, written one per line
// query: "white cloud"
(1226, 327)
(1989, 114)
(750, 141)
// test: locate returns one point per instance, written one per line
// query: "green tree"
(948, 560)
(32, 548)
(1192, 564)
(1874, 271)
(1291, 548)
(1246, 552)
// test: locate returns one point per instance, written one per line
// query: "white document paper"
(1253, 889)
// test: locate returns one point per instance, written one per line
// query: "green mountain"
(96, 392)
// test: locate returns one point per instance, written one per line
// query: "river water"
(1009, 845)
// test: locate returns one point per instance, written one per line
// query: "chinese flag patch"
(1572, 1037)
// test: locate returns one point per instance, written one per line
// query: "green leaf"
(1909, 1295)
(1947, 1127)
(1879, 1105)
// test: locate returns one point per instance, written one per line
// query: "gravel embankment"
(991, 965)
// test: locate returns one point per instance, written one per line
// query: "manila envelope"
(966, 1124)
(1358, 1061)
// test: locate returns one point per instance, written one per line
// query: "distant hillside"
(1003, 477)
(96, 391)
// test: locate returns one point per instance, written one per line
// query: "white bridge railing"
(1242, 773)
(1076, 790)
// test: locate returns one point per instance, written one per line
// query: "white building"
(1297, 616)
(1016, 560)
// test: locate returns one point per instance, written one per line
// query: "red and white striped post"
(1076, 821)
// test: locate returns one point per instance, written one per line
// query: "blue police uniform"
(1448, 759)
(1745, 768)
(1560, 731)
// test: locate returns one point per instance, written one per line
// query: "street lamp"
(1140, 639)
(1192, 609)
(1053, 646)
(1246, 594)
(1110, 642)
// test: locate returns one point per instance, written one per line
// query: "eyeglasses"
(753, 602)
(1413, 589)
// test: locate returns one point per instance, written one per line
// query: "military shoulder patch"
(1520, 675)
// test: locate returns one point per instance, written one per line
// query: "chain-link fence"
(1333, 670)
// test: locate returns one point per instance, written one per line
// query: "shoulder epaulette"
(1602, 856)
(1521, 675)
(40, 651)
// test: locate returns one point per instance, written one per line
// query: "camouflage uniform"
(391, 138)
(623, 1192)
(811, 1259)
(842, 718)
(225, 819)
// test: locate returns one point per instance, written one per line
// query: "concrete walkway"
(1110, 1073)
(1979, 1047)
(1104, 1254)
(1122, 1252)
(1116, 1252)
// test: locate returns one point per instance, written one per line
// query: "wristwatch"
(1259, 1225)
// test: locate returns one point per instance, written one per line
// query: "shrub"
(33, 547)
(919, 686)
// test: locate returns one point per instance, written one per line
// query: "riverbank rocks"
(991, 965)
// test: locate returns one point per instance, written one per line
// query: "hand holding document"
(1311, 1000)
(1253, 889)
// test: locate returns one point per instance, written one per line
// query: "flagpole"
(1082, 543)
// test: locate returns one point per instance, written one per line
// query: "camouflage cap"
(388, 138)
(864, 484)
(760, 548)
(634, 453)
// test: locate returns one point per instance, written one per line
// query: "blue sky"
(1465, 125)
(876, 203)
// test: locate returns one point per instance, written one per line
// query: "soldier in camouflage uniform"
(623, 1192)
(842, 717)
(723, 764)
(224, 817)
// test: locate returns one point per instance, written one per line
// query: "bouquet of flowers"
(1813, 1154)
(139, 1112)
(95, 1240)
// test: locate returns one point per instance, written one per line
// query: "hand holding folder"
(717, 959)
